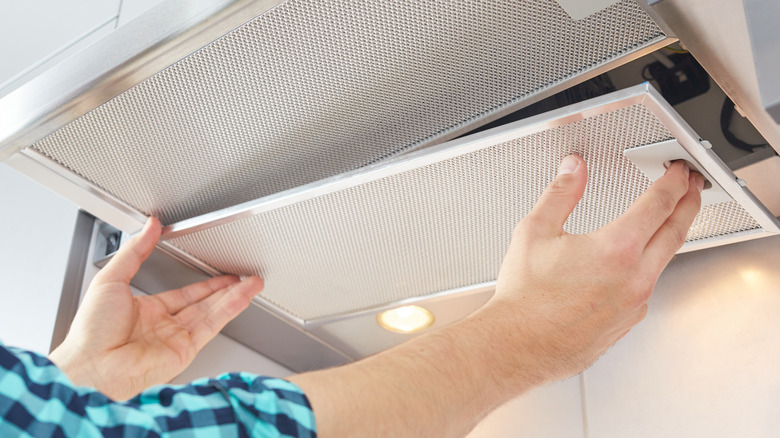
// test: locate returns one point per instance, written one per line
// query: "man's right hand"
(561, 301)
(570, 297)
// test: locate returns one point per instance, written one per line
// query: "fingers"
(206, 318)
(126, 262)
(178, 299)
(670, 237)
(561, 196)
(213, 313)
(651, 210)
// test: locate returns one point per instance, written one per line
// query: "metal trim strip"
(723, 240)
(76, 189)
(643, 93)
(691, 142)
(451, 293)
(74, 277)
(413, 160)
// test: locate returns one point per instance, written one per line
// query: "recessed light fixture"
(406, 319)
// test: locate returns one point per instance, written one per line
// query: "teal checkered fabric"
(38, 400)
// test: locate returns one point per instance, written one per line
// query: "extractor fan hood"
(310, 142)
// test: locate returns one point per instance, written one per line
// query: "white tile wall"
(706, 361)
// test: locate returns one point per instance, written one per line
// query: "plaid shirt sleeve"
(37, 399)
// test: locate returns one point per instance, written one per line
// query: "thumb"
(561, 196)
(127, 261)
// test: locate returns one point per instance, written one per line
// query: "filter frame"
(642, 94)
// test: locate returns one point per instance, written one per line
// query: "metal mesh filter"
(442, 226)
(312, 89)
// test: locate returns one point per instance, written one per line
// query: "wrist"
(79, 369)
(506, 347)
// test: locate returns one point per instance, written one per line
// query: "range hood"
(311, 142)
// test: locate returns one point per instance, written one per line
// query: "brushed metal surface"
(74, 278)
(65, 183)
(312, 89)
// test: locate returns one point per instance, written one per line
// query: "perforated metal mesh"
(438, 227)
(313, 88)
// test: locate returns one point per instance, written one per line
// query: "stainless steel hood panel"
(311, 89)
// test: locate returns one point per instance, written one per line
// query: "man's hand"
(561, 300)
(121, 344)
(574, 296)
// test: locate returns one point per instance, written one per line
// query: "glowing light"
(751, 276)
(406, 319)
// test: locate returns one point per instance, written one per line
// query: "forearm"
(436, 385)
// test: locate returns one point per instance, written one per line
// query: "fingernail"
(699, 182)
(686, 169)
(568, 165)
(147, 225)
